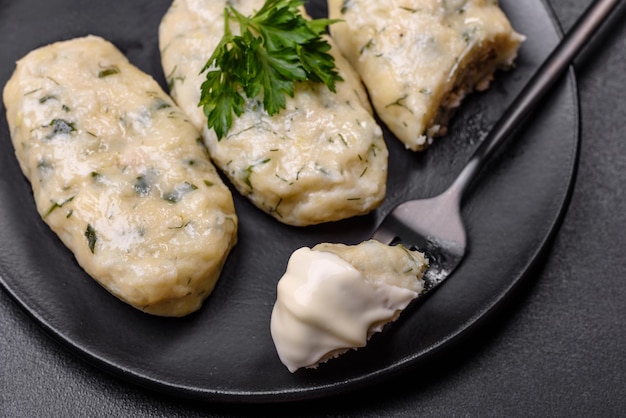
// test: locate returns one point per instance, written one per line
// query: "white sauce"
(326, 306)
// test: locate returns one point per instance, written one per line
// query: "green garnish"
(276, 47)
(90, 234)
(105, 72)
(247, 173)
(275, 208)
(160, 103)
(179, 192)
(97, 177)
(60, 127)
(345, 6)
(46, 98)
(57, 205)
(400, 103)
(143, 186)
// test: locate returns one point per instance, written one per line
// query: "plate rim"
(353, 384)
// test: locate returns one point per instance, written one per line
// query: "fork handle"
(535, 90)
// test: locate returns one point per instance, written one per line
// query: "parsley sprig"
(275, 48)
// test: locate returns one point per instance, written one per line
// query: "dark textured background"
(558, 349)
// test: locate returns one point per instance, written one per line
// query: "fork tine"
(433, 226)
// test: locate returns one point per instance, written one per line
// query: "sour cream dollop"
(326, 306)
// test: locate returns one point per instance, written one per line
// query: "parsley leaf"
(275, 48)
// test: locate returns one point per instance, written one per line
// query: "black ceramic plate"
(225, 352)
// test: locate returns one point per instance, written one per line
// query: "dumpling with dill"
(118, 173)
(420, 58)
(301, 152)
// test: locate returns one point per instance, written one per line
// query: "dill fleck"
(275, 208)
(60, 127)
(247, 173)
(400, 103)
(179, 192)
(57, 205)
(92, 238)
(367, 46)
(108, 71)
(47, 98)
(345, 6)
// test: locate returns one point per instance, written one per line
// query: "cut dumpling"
(322, 159)
(333, 297)
(419, 58)
(119, 174)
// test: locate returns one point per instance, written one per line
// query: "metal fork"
(435, 225)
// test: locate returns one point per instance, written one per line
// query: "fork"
(435, 225)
